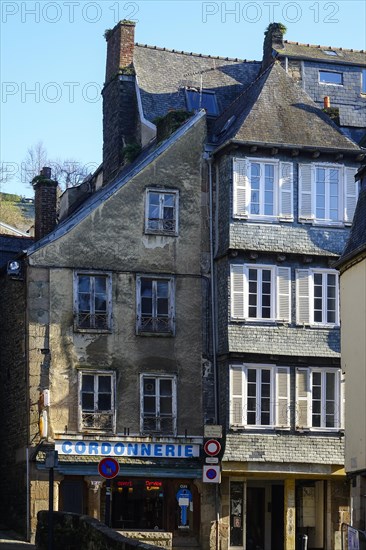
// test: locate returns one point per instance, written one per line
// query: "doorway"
(255, 532)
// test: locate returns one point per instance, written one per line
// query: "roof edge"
(110, 189)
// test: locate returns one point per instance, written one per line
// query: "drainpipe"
(209, 159)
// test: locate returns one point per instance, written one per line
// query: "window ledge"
(93, 330)
(161, 233)
(158, 334)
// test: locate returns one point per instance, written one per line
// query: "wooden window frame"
(158, 418)
(98, 415)
(161, 230)
(92, 275)
(157, 325)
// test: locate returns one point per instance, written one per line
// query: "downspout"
(209, 159)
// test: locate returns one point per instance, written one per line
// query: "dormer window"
(201, 99)
(331, 77)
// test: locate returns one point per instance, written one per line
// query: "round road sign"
(108, 467)
(211, 473)
(212, 447)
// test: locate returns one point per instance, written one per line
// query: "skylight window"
(330, 77)
(330, 52)
(201, 99)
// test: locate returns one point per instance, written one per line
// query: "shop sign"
(117, 448)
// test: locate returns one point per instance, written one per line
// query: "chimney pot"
(326, 102)
(46, 172)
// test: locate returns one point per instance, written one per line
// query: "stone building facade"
(190, 284)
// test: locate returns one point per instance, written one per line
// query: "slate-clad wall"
(348, 97)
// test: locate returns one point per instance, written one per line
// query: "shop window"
(236, 513)
(138, 504)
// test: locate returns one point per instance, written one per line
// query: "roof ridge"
(324, 47)
(206, 56)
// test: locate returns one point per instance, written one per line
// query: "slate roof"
(11, 246)
(274, 110)
(356, 243)
(163, 74)
(310, 51)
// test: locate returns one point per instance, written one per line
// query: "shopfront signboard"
(119, 448)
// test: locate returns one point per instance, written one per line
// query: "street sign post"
(212, 447)
(108, 468)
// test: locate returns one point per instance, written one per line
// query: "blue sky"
(53, 58)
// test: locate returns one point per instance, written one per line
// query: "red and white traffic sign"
(212, 447)
(108, 467)
(211, 474)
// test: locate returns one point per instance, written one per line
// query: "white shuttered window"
(259, 396)
(260, 292)
(327, 193)
(319, 399)
(262, 189)
(317, 297)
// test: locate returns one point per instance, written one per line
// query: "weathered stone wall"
(73, 532)
(13, 404)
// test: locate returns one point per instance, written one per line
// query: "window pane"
(87, 401)
(100, 303)
(87, 383)
(165, 387)
(83, 283)
(104, 383)
(104, 402)
(149, 386)
(162, 289)
(330, 77)
(146, 287)
(100, 285)
(166, 405)
(149, 405)
(84, 302)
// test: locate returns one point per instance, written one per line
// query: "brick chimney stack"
(45, 203)
(273, 39)
(120, 46)
(120, 109)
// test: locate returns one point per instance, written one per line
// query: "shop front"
(157, 489)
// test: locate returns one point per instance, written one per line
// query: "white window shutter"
(286, 191)
(302, 398)
(284, 294)
(241, 191)
(306, 206)
(236, 397)
(237, 291)
(282, 397)
(351, 192)
(341, 420)
(302, 297)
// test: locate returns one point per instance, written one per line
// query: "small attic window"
(201, 99)
(330, 52)
(331, 77)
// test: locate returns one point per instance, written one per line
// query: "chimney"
(120, 46)
(273, 39)
(45, 203)
(326, 102)
(120, 109)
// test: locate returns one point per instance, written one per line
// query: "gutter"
(305, 148)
